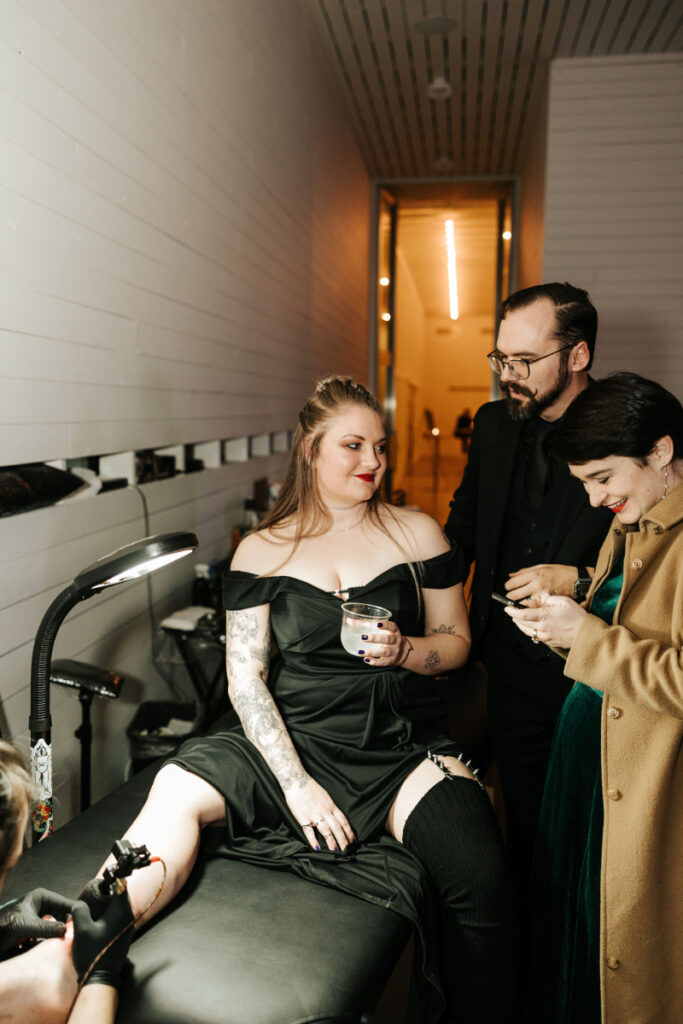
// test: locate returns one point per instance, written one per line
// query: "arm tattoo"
(432, 659)
(445, 629)
(247, 657)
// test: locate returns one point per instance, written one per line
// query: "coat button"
(658, 530)
(616, 532)
(637, 563)
(614, 794)
(614, 712)
(613, 963)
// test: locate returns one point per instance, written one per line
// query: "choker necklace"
(345, 508)
(344, 529)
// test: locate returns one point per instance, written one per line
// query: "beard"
(521, 410)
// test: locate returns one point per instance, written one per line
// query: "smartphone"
(507, 600)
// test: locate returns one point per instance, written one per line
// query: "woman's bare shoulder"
(261, 552)
(421, 532)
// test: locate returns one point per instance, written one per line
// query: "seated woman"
(40, 985)
(606, 884)
(339, 749)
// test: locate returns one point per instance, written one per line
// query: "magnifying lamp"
(121, 566)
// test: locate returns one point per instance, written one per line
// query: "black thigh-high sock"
(454, 833)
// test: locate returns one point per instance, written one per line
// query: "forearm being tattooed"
(247, 657)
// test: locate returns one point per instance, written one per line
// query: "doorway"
(439, 286)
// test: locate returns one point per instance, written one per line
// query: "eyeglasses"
(519, 368)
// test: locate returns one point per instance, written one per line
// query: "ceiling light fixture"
(507, 235)
(452, 270)
(384, 281)
(439, 88)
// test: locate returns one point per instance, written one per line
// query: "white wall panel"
(184, 248)
(174, 168)
(614, 205)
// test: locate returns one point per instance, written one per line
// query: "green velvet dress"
(564, 985)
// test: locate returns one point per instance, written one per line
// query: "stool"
(90, 681)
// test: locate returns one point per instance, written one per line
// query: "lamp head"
(135, 560)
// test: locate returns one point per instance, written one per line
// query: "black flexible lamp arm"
(127, 563)
(40, 721)
(42, 656)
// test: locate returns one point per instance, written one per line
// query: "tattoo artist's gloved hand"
(91, 937)
(23, 918)
(97, 900)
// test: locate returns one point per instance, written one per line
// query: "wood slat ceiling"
(495, 57)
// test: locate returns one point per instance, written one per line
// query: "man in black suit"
(528, 526)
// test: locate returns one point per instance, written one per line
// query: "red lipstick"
(368, 477)
(617, 508)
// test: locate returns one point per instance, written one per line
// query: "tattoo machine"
(128, 859)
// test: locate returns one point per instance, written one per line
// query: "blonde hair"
(17, 795)
(299, 502)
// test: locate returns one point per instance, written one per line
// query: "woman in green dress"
(606, 892)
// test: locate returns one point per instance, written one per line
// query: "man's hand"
(22, 919)
(552, 579)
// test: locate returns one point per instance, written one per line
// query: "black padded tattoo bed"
(240, 944)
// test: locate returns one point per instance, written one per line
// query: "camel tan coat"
(637, 662)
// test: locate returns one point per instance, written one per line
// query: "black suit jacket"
(477, 517)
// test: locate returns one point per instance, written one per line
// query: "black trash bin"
(148, 734)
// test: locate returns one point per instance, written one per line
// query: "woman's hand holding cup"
(369, 633)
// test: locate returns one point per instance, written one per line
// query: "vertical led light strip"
(452, 271)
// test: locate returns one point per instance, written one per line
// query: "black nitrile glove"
(95, 898)
(22, 918)
(91, 936)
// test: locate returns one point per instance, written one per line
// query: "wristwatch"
(582, 584)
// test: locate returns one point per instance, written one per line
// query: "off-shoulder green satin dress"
(359, 731)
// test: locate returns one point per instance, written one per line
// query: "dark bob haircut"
(576, 318)
(622, 414)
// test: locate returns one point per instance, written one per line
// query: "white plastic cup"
(358, 620)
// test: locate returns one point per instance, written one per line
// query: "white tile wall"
(185, 222)
(614, 205)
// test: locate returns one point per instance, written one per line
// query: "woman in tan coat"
(607, 886)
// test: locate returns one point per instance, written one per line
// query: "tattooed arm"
(247, 647)
(247, 657)
(445, 645)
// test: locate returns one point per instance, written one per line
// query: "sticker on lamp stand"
(41, 769)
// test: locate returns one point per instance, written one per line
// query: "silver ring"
(535, 638)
